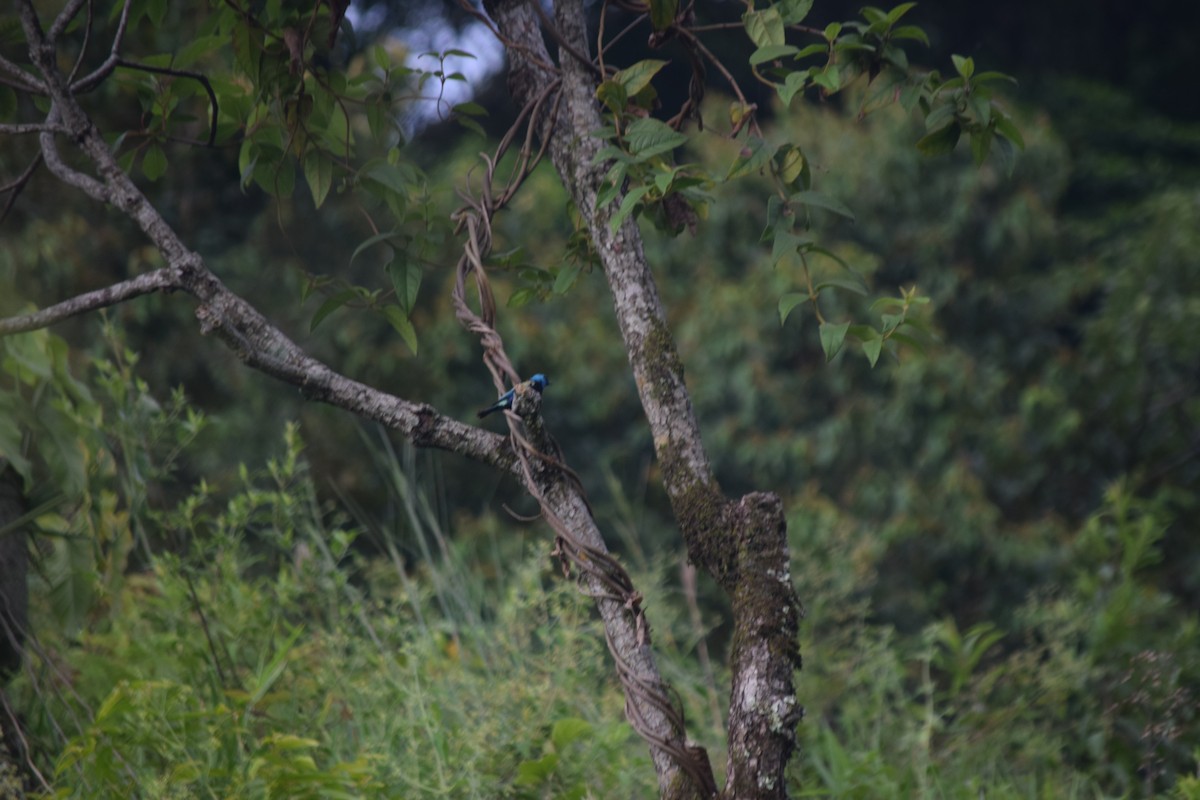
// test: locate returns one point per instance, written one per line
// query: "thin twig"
(63, 20)
(146, 283)
(183, 73)
(15, 187)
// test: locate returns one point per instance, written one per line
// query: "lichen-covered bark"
(741, 543)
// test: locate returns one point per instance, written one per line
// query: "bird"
(537, 383)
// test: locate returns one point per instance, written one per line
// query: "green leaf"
(991, 76)
(628, 203)
(911, 32)
(154, 162)
(318, 171)
(786, 243)
(764, 27)
(613, 96)
(648, 137)
(821, 200)
(376, 239)
(788, 302)
(533, 773)
(964, 66)
(792, 163)
(872, 348)
(1006, 128)
(939, 142)
(832, 31)
(406, 281)
(566, 278)
(772, 52)
(851, 281)
(750, 158)
(569, 730)
(330, 305)
(662, 13)
(981, 143)
(403, 326)
(793, 12)
(887, 302)
(637, 76)
(899, 11)
(832, 337)
(792, 84)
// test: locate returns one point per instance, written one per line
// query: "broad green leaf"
(832, 30)
(154, 162)
(981, 144)
(1006, 128)
(613, 96)
(785, 244)
(403, 326)
(964, 66)
(849, 280)
(872, 348)
(829, 78)
(376, 239)
(566, 278)
(821, 200)
(793, 12)
(899, 11)
(832, 337)
(318, 171)
(941, 141)
(887, 302)
(772, 52)
(764, 27)
(533, 773)
(648, 137)
(792, 164)
(628, 203)
(911, 32)
(750, 158)
(792, 84)
(662, 13)
(330, 305)
(991, 76)
(406, 281)
(636, 77)
(788, 302)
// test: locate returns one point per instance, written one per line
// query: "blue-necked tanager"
(537, 383)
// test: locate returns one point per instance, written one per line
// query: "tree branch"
(157, 281)
(18, 129)
(97, 76)
(63, 20)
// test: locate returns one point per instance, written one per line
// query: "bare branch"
(201, 78)
(18, 78)
(157, 281)
(15, 187)
(18, 129)
(97, 76)
(84, 183)
(87, 38)
(63, 20)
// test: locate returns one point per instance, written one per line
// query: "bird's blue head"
(539, 381)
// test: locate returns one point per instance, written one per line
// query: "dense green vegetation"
(993, 535)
